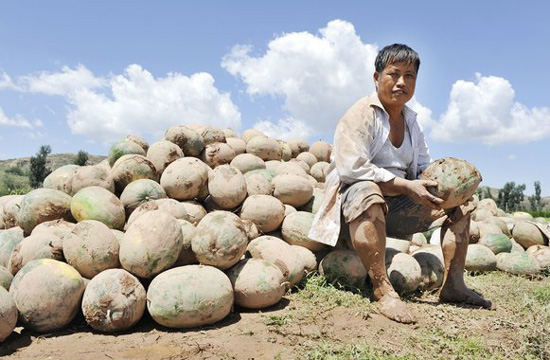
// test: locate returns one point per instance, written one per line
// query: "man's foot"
(464, 296)
(393, 308)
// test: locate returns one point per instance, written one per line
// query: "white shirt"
(359, 136)
(395, 160)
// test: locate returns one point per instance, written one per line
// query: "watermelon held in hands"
(457, 180)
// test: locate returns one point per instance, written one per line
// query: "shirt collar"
(375, 101)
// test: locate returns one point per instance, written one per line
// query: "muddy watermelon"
(8, 240)
(97, 203)
(5, 277)
(496, 242)
(220, 240)
(281, 254)
(517, 263)
(432, 270)
(343, 267)
(457, 180)
(257, 283)
(8, 314)
(266, 211)
(480, 258)
(295, 229)
(404, 271)
(90, 248)
(42, 205)
(113, 301)
(47, 294)
(190, 296)
(42, 245)
(151, 244)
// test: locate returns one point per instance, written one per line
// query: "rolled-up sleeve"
(353, 143)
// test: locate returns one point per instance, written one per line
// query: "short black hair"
(396, 53)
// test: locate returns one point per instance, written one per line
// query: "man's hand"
(415, 189)
(418, 192)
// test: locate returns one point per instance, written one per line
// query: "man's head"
(396, 67)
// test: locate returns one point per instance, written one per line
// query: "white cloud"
(135, 102)
(6, 82)
(423, 114)
(319, 76)
(65, 82)
(17, 121)
(284, 129)
(512, 157)
(485, 111)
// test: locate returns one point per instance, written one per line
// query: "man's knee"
(367, 228)
(373, 213)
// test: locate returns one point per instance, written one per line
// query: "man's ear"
(376, 77)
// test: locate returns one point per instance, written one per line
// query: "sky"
(79, 75)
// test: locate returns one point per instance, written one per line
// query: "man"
(372, 184)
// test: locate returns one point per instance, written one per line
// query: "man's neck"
(395, 113)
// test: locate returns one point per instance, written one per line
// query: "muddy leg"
(454, 240)
(368, 236)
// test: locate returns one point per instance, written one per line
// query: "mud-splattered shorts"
(403, 216)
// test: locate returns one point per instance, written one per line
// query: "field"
(319, 321)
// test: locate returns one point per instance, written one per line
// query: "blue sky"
(79, 75)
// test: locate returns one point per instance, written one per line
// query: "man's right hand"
(418, 192)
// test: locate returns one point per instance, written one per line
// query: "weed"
(277, 320)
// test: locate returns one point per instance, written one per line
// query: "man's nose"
(401, 81)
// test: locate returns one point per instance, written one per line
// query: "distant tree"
(510, 196)
(488, 194)
(536, 200)
(39, 170)
(81, 158)
(479, 193)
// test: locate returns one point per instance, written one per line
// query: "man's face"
(396, 83)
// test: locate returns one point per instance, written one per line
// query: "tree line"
(511, 198)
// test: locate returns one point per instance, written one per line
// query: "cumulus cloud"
(485, 111)
(319, 76)
(423, 114)
(284, 129)
(18, 121)
(65, 82)
(105, 108)
(6, 82)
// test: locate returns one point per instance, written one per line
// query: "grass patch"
(330, 351)
(315, 289)
(443, 344)
(542, 294)
(277, 320)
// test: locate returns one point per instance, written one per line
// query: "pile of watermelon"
(203, 220)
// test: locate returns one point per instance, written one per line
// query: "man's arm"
(415, 189)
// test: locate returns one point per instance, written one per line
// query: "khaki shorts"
(403, 216)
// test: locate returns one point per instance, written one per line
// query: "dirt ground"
(320, 322)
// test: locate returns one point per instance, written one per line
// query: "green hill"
(14, 172)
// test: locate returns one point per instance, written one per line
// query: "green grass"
(329, 351)
(520, 329)
(316, 290)
(276, 320)
(542, 294)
